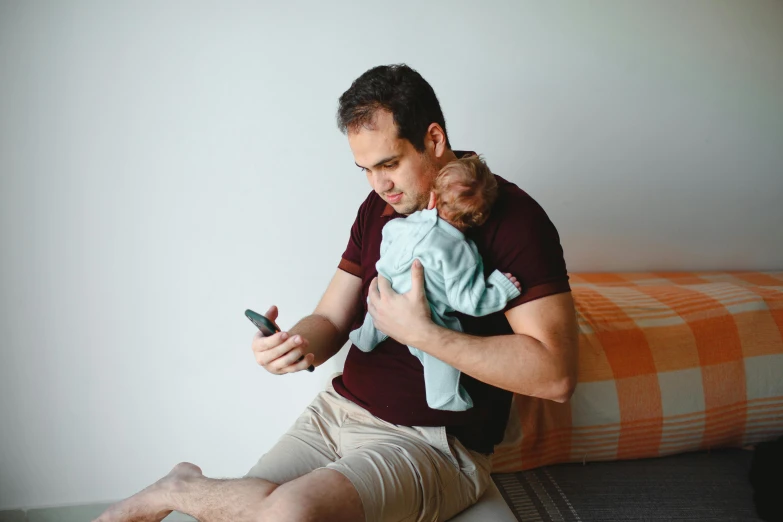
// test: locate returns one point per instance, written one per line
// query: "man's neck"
(447, 157)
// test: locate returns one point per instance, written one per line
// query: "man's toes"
(185, 470)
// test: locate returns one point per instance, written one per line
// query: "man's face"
(397, 172)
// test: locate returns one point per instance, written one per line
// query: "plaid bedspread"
(668, 363)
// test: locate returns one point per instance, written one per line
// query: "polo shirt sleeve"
(529, 248)
(351, 261)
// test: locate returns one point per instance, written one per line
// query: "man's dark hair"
(398, 89)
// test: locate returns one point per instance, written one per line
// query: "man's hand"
(279, 353)
(400, 316)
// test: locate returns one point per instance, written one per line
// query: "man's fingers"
(266, 354)
(262, 343)
(417, 277)
(292, 361)
(285, 362)
(281, 353)
(299, 366)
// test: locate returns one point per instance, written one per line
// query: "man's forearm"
(515, 362)
(323, 337)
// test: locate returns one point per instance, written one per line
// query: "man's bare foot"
(152, 504)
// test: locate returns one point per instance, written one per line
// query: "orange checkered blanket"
(668, 362)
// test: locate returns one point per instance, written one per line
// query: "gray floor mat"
(692, 487)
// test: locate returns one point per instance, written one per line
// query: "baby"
(462, 197)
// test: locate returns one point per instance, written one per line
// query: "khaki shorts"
(401, 473)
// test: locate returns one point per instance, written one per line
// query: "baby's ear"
(432, 201)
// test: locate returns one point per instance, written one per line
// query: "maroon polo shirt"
(518, 238)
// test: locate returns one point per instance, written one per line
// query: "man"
(368, 447)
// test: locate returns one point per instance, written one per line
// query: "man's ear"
(432, 201)
(435, 140)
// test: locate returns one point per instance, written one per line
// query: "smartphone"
(267, 328)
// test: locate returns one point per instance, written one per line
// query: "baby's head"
(464, 192)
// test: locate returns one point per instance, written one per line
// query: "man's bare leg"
(187, 490)
(320, 495)
(323, 495)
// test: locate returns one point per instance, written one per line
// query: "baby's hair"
(465, 191)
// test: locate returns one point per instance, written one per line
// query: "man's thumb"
(271, 314)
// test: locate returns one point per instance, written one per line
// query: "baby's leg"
(367, 336)
(441, 383)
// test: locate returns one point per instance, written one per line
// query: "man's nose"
(382, 183)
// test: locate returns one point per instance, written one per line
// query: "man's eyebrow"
(384, 160)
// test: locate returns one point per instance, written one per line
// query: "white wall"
(166, 165)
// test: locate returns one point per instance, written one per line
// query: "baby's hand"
(514, 280)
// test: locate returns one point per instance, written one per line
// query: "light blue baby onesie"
(454, 281)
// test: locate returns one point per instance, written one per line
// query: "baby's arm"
(513, 280)
(469, 293)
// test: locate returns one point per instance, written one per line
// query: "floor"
(83, 513)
